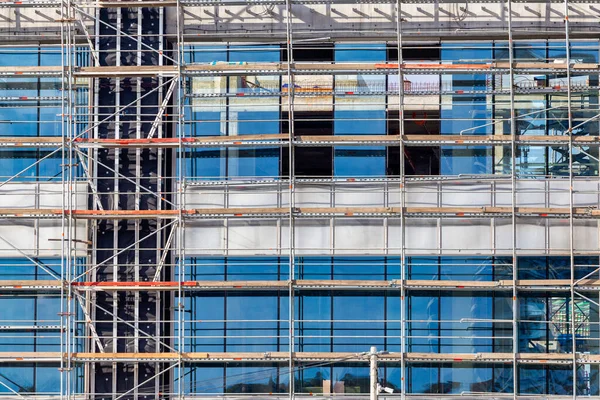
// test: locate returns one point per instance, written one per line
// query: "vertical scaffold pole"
(373, 381)
(571, 222)
(64, 324)
(179, 187)
(513, 192)
(402, 185)
(292, 184)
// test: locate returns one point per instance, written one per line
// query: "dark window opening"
(323, 52)
(414, 52)
(421, 160)
(309, 161)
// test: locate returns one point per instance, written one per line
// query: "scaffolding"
(123, 218)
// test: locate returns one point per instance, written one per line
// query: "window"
(418, 160)
(313, 52)
(309, 161)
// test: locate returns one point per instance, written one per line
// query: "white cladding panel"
(38, 238)
(374, 236)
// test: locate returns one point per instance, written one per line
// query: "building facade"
(239, 199)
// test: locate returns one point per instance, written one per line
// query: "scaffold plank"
(28, 285)
(127, 71)
(298, 68)
(304, 140)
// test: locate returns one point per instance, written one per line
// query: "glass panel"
(359, 114)
(467, 113)
(463, 378)
(220, 115)
(461, 322)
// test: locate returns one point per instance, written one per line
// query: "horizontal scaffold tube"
(308, 212)
(533, 358)
(308, 284)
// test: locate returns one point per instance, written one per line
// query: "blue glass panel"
(310, 379)
(204, 332)
(460, 268)
(470, 114)
(393, 325)
(253, 322)
(352, 378)
(206, 163)
(23, 269)
(47, 379)
(357, 325)
(359, 161)
(313, 323)
(205, 54)
(254, 53)
(460, 378)
(244, 378)
(424, 378)
(423, 327)
(372, 52)
(360, 117)
(371, 268)
(552, 380)
(314, 267)
(464, 334)
(50, 56)
(23, 56)
(253, 268)
(237, 117)
(17, 378)
(209, 125)
(202, 379)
